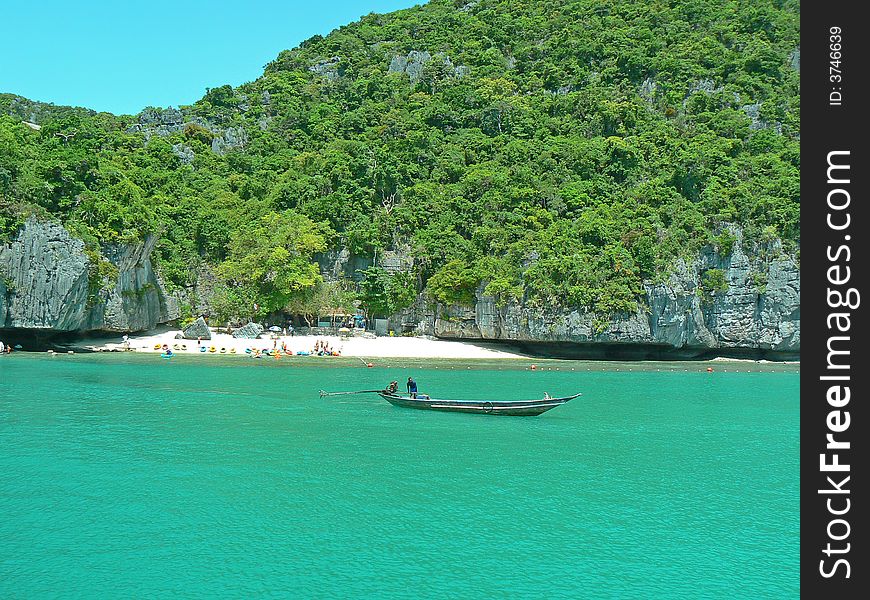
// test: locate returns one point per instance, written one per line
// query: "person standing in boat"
(412, 387)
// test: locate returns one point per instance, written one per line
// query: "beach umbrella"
(274, 328)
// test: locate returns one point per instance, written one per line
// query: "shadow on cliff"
(623, 352)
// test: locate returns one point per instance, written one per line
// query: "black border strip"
(834, 231)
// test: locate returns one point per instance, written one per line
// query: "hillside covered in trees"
(559, 151)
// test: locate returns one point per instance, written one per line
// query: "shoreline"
(400, 347)
(537, 365)
(359, 347)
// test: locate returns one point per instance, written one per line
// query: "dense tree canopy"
(559, 151)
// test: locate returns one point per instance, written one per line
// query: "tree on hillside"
(274, 256)
(383, 294)
(326, 298)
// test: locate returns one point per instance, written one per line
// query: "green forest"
(560, 152)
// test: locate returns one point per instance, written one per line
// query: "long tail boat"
(526, 408)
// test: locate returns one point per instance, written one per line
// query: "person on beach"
(412, 387)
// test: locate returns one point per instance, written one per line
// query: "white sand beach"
(364, 347)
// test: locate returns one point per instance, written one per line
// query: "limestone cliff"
(753, 312)
(49, 283)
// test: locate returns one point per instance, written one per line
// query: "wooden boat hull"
(516, 408)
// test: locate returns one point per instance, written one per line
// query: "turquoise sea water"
(132, 476)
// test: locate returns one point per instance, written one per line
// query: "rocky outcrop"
(3, 293)
(758, 309)
(342, 264)
(138, 300)
(794, 59)
(648, 89)
(197, 296)
(251, 331)
(37, 113)
(229, 139)
(330, 68)
(51, 284)
(412, 65)
(197, 330)
(166, 121)
(754, 312)
(45, 272)
(184, 153)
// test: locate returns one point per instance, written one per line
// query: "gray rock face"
(40, 112)
(230, 138)
(158, 116)
(794, 59)
(758, 314)
(341, 264)
(138, 300)
(199, 294)
(184, 153)
(706, 86)
(46, 271)
(159, 121)
(412, 64)
(648, 89)
(166, 121)
(44, 275)
(3, 293)
(197, 329)
(396, 260)
(753, 111)
(251, 331)
(328, 68)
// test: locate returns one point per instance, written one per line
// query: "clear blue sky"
(121, 56)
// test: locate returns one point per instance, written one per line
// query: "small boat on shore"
(527, 408)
